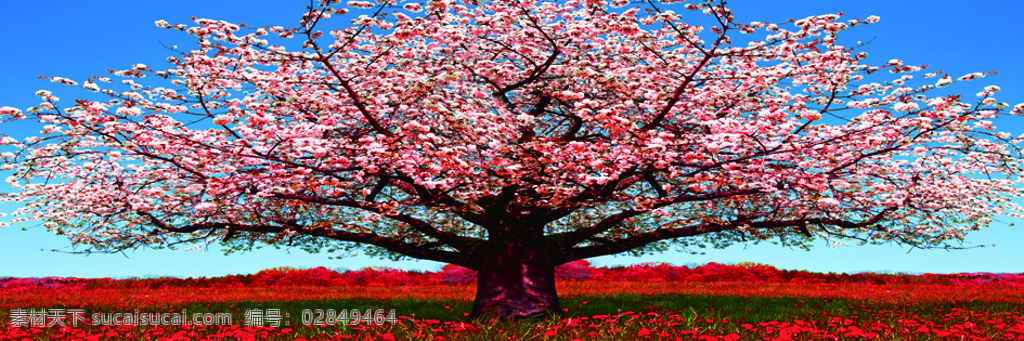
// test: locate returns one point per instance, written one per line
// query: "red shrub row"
(456, 275)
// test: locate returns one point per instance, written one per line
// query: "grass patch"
(590, 317)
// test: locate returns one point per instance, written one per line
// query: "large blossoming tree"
(510, 137)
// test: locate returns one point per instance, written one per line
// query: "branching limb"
(572, 238)
(425, 251)
(626, 244)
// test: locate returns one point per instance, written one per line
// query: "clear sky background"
(78, 39)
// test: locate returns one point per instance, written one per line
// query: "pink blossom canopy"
(589, 127)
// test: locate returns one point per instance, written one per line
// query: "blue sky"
(78, 39)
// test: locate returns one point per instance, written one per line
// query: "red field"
(712, 302)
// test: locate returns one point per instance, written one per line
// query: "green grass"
(713, 314)
(753, 309)
(417, 308)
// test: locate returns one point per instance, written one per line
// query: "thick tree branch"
(381, 183)
(425, 251)
(611, 247)
(649, 177)
(452, 239)
(499, 204)
(533, 76)
(572, 238)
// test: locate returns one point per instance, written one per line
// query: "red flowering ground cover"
(644, 302)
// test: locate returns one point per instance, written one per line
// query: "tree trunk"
(515, 283)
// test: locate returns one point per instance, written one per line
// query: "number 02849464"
(331, 317)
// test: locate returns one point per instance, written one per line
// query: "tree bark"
(516, 282)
